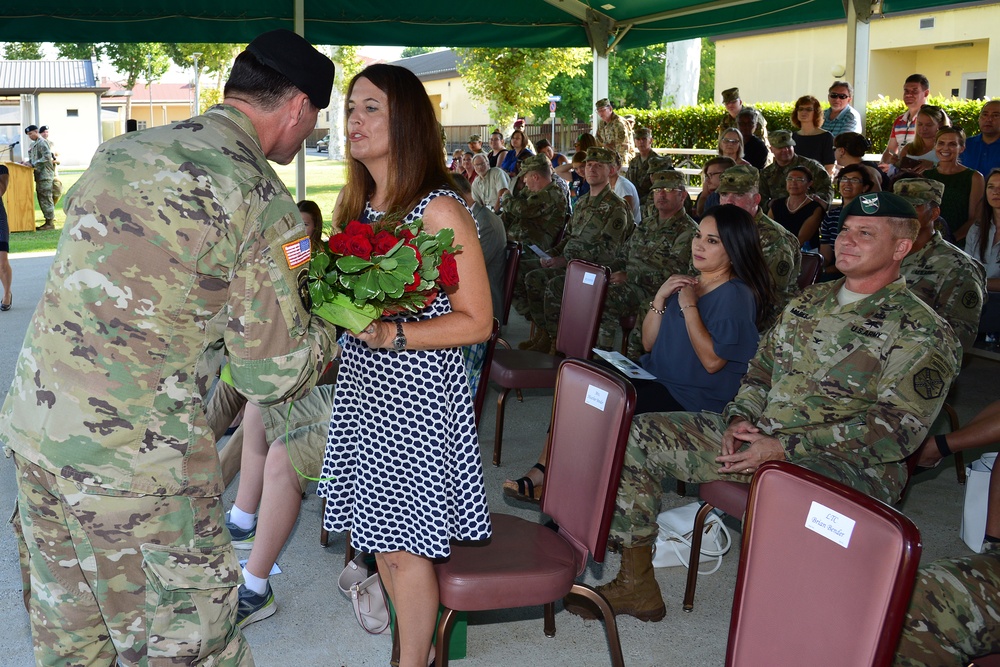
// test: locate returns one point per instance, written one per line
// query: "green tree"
(411, 51)
(22, 51)
(348, 64)
(706, 84)
(512, 81)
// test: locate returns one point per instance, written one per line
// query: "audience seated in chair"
(846, 384)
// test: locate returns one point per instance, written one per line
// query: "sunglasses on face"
(838, 96)
(809, 109)
(730, 141)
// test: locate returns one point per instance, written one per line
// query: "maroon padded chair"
(579, 321)
(825, 574)
(527, 564)
(812, 266)
(992, 660)
(731, 498)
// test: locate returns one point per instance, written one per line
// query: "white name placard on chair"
(596, 397)
(832, 525)
(589, 278)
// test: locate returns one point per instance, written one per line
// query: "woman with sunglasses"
(811, 140)
(853, 180)
(731, 145)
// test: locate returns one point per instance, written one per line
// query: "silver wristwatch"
(399, 342)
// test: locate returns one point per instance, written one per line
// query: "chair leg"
(610, 624)
(625, 334)
(324, 534)
(498, 437)
(955, 424)
(550, 619)
(349, 552)
(442, 638)
(692, 580)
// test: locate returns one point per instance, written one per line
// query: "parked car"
(323, 145)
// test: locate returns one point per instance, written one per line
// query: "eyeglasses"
(809, 109)
(730, 141)
(851, 181)
(714, 174)
(838, 96)
(796, 179)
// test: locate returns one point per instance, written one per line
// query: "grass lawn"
(324, 179)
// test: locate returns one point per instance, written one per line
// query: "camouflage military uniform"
(181, 245)
(44, 164)
(600, 224)
(950, 282)
(535, 218)
(656, 250)
(952, 616)
(784, 260)
(849, 391)
(614, 134)
(772, 180)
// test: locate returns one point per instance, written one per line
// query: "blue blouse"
(729, 312)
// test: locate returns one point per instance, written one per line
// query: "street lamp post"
(197, 81)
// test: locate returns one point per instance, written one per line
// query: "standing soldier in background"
(41, 160)
(734, 105)
(181, 246)
(613, 133)
(57, 186)
(644, 164)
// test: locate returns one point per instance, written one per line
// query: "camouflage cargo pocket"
(191, 597)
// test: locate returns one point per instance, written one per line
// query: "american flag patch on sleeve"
(297, 252)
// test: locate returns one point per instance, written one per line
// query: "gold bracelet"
(655, 309)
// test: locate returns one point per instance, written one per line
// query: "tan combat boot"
(543, 343)
(532, 341)
(634, 591)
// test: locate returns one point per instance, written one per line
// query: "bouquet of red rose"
(374, 270)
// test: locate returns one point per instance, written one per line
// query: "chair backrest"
(484, 375)
(512, 261)
(825, 574)
(581, 308)
(812, 266)
(591, 415)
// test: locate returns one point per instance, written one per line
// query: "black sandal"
(524, 489)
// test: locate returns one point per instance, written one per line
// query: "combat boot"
(532, 341)
(49, 224)
(634, 591)
(543, 342)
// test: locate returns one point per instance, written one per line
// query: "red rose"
(359, 246)
(448, 270)
(405, 233)
(415, 251)
(338, 244)
(355, 228)
(412, 287)
(383, 243)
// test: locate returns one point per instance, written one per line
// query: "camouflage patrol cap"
(644, 133)
(919, 190)
(601, 103)
(298, 61)
(598, 154)
(535, 163)
(730, 95)
(660, 162)
(474, 138)
(781, 139)
(879, 205)
(738, 180)
(667, 180)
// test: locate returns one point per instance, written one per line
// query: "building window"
(141, 125)
(927, 24)
(72, 113)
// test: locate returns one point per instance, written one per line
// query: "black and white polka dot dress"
(403, 451)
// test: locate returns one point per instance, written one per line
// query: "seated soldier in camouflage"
(949, 281)
(952, 616)
(599, 226)
(847, 384)
(772, 177)
(659, 247)
(738, 186)
(644, 164)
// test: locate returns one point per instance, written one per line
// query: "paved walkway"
(315, 627)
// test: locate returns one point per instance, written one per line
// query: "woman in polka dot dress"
(404, 470)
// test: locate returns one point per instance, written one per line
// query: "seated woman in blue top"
(517, 153)
(701, 331)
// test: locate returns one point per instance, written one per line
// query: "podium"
(19, 200)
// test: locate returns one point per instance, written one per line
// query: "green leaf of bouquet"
(352, 264)
(388, 264)
(407, 263)
(391, 285)
(366, 286)
(319, 265)
(446, 236)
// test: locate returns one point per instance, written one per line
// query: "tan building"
(151, 105)
(958, 50)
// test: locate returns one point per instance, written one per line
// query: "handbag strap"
(717, 553)
(372, 613)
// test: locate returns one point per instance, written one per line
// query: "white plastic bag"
(977, 491)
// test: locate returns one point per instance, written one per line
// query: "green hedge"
(695, 126)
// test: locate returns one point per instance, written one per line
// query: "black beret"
(30, 128)
(43, 128)
(296, 59)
